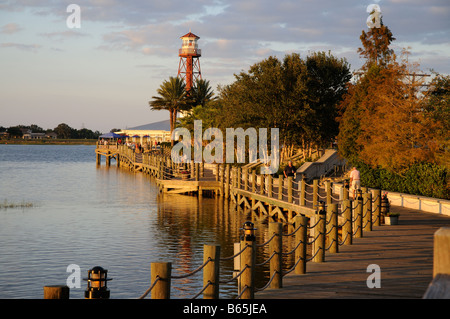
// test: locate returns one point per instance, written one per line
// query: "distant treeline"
(62, 131)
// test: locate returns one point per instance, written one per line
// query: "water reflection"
(109, 217)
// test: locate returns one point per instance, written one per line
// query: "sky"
(100, 74)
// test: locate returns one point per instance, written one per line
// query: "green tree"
(326, 82)
(14, 131)
(299, 97)
(172, 97)
(201, 93)
(63, 131)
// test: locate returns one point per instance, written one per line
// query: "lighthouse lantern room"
(189, 66)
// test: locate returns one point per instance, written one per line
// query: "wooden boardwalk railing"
(318, 220)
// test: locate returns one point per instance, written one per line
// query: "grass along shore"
(49, 141)
(5, 205)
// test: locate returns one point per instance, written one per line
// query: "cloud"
(244, 31)
(10, 28)
(63, 35)
(21, 46)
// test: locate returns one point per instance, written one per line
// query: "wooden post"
(376, 194)
(245, 177)
(289, 189)
(238, 177)
(441, 251)
(329, 192)
(367, 212)
(197, 171)
(56, 292)
(275, 247)
(332, 228)
(161, 271)
(217, 172)
(269, 186)
(315, 193)
(301, 242)
(345, 194)
(347, 229)
(319, 232)
(98, 160)
(253, 181)
(280, 187)
(439, 288)
(227, 180)
(303, 192)
(262, 181)
(211, 271)
(248, 275)
(358, 209)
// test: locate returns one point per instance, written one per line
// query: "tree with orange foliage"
(395, 132)
(382, 122)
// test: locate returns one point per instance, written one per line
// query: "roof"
(190, 35)
(156, 126)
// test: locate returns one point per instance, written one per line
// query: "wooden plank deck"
(404, 253)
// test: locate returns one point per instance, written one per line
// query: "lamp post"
(96, 284)
(247, 259)
(248, 231)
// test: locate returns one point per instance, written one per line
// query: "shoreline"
(50, 142)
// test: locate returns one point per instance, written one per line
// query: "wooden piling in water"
(301, 242)
(275, 248)
(56, 292)
(211, 256)
(161, 271)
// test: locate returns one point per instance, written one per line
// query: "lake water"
(98, 216)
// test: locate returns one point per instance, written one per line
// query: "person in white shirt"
(355, 181)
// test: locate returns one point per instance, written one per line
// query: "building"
(148, 133)
(33, 136)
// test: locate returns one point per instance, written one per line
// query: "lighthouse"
(189, 66)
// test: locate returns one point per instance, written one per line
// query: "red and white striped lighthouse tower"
(189, 66)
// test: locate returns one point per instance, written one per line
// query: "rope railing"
(335, 223)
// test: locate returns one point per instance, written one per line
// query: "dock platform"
(404, 253)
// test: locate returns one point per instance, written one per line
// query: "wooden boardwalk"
(404, 253)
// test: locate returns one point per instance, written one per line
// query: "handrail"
(311, 231)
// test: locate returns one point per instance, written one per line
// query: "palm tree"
(201, 93)
(172, 97)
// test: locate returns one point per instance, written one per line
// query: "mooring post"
(358, 215)
(367, 211)
(275, 248)
(211, 256)
(332, 228)
(301, 242)
(161, 272)
(376, 194)
(247, 283)
(320, 233)
(56, 292)
(347, 229)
